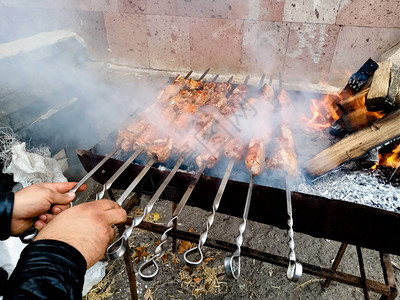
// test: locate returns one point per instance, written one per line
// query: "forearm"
(48, 269)
(6, 210)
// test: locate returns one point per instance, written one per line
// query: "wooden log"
(355, 145)
(379, 87)
(394, 87)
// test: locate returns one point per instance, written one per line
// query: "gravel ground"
(258, 280)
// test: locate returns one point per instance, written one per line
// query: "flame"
(324, 113)
(391, 159)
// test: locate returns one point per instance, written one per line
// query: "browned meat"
(194, 85)
(223, 87)
(209, 86)
(171, 90)
(203, 124)
(127, 136)
(234, 100)
(285, 157)
(211, 151)
(255, 157)
(218, 99)
(268, 92)
(161, 148)
(201, 97)
(147, 137)
(234, 148)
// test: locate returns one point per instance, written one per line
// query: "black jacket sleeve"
(6, 210)
(48, 269)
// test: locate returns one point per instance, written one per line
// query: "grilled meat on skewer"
(268, 92)
(234, 100)
(161, 148)
(127, 136)
(211, 152)
(255, 157)
(234, 148)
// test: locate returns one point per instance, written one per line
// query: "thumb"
(59, 198)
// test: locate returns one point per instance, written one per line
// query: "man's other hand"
(87, 227)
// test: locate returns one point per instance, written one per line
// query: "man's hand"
(87, 227)
(43, 200)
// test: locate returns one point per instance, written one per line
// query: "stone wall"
(308, 41)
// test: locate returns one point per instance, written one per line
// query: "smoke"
(52, 93)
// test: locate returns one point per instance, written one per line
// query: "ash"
(362, 187)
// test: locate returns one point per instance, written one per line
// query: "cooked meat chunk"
(255, 157)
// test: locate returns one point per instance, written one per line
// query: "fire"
(324, 113)
(391, 159)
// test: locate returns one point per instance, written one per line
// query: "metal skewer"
(295, 269)
(210, 219)
(119, 246)
(110, 181)
(136, 181)
(29, 234)
(232, 263)
(170, 225)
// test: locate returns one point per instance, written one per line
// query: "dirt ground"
(258, 280)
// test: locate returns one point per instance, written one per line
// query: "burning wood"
(355, 145)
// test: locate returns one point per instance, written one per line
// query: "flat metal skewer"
(159, 250)
(119, 246)
(210, 219)
(136, 181)
(232, 263)
(295, 269)
(110, 181)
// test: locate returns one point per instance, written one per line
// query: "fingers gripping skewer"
(159, 250)
(210, 219)
(295, 269)
(29, 235)
(110, 181)
(119, 246)
(232, 263)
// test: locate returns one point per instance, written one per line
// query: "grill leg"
(362, 272)
(388, 275)
(174, 240)
(336, 263)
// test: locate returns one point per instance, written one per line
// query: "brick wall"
(312, 41)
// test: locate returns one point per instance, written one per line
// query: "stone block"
(264, 10)
(216, 43)
(202, 9)
(168, 42)
(99, 5)
(264, 46)
(152, 7)
(310, 11)
(309, 52)
(127, 39)
(355, 45)
(377, 13)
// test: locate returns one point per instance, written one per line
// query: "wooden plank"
(379, 87)
(394, 87)
(355, 145)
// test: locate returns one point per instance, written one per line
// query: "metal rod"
(388, 275)
(159, 249)
(295, 269)
(261, 80)
(336, 262)
(232, 263)
(204, 74)
(118, 247)
(92, 171)
(362, 272)
(210, 219)
(136, 180)
(246, 80)
(278, 260)
(188, 74)
(110, 181)
(230, 79)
